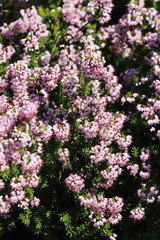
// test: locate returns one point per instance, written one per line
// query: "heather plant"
(79, 120)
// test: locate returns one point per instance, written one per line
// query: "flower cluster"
(74, 183)
(78, 14)
(138, 214)
(31, 22)
(101, 207)
(22, 130)
(6, 53)
(80, 118)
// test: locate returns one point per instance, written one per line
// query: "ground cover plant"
(80, 118)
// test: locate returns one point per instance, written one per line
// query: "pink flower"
(61, 131)
(4, 206)
(145, 156)
(35, 202)
(31, 163)
(46, 58)
(113, 237)
(49, 77)
(133, 169)
(3, 104)
(1, 184)
(137, 214)
(74, 183)
(89, 129)
(28, 111)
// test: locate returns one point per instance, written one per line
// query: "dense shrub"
(80, 117)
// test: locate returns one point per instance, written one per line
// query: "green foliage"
(25, 218)
(66, 219)
(135, 152)
(60, 215)
(6, 175)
